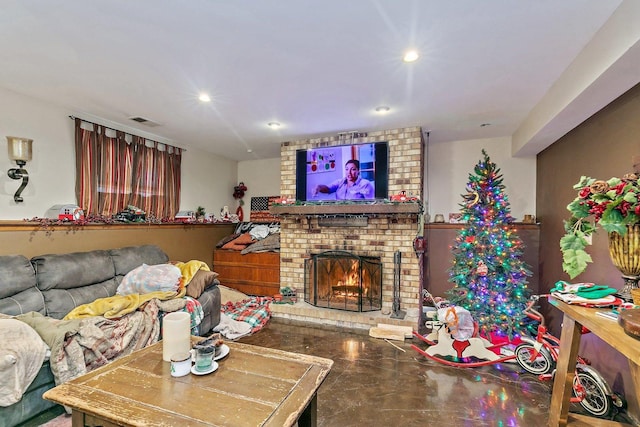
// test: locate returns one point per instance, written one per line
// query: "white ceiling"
(318, 67)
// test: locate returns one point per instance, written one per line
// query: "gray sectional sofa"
(53, 285)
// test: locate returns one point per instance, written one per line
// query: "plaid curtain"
(112, 173)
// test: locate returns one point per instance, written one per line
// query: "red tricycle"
(539, 356)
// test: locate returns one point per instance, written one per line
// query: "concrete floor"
(372, 383)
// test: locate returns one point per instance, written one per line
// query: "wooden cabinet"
(253, 274)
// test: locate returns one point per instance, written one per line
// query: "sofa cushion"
(16, 275)
(59, 302)
(128, 258)
(18, 292)
(23, 302)
(73, 270)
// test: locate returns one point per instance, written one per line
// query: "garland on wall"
(48, 224)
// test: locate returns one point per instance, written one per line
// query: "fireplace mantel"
(384, 209)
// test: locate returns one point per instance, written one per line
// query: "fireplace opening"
(343, 281)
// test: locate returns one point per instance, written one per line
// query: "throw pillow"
(244, 239)
(227, 239)
(201, 281)
(240, 242)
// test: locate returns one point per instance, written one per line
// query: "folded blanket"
(255, 311)
(119, 305)
(232, 329)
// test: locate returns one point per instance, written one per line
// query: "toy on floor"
(454, 339)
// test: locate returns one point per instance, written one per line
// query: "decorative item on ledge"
(613, 205)
(238, 194)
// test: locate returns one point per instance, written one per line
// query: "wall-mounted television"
(343, 172)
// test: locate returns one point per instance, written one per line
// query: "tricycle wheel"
(534, 361)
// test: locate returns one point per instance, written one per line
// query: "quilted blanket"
(79, 346)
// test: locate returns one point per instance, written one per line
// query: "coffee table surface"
(253, 386)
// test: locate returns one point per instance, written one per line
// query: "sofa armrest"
(211, 304)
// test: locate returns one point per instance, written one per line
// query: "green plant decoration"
(612, 204)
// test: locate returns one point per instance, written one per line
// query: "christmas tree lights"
(488, 273)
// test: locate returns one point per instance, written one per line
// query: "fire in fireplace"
(343, 281)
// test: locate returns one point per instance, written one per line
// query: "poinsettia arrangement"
(612, 204)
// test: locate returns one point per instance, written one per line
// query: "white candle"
(176, 334)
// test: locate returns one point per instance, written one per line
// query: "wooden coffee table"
(253, 386)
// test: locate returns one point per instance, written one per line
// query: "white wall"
(262, 178)
(207, 180)
(450, 163)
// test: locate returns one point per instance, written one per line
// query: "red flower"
(584, 193)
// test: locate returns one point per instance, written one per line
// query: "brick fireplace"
(369, 230)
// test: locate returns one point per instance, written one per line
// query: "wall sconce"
(19, 150)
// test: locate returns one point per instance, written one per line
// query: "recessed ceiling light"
(382, 109)
(204, 97)
(249, 150)
(273, 125)
(410, 56)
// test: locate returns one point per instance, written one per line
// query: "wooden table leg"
(565, 372)
(309, 417)
(635, 378)
(77, 418)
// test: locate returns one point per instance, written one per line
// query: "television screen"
(345, 172)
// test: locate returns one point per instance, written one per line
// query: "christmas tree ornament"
(482, 269)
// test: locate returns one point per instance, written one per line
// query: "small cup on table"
(204, 357)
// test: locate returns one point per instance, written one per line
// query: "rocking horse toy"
(454, 339)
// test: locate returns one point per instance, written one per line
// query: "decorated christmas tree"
(488, 273)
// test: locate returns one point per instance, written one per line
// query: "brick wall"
(385, 234)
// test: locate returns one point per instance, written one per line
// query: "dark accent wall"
(603, 146)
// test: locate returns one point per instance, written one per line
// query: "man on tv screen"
(352, 186)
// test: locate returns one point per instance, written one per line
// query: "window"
(115, 170)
